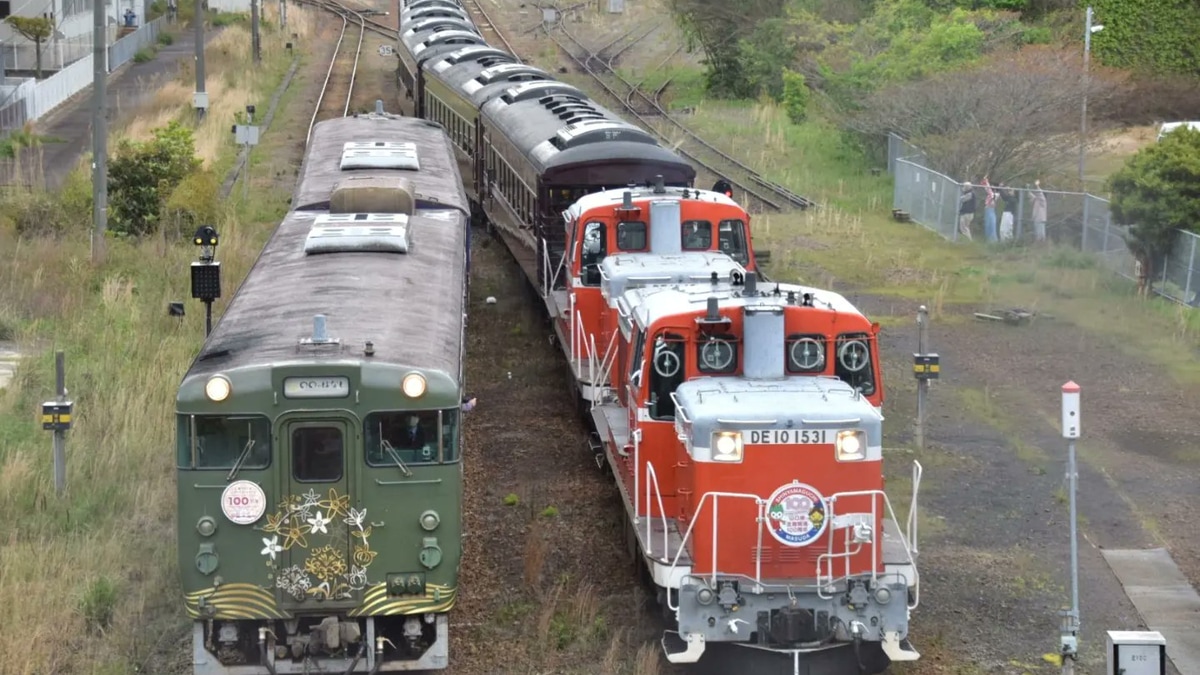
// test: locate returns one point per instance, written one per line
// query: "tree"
(719, 28)
(1012, 115)
(1157, 192)
(35, 29)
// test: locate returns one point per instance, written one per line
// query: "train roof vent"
(532, 90)
(418, 4)
(358, 233)
(430, 12)
(439, 24)
(604, 129)
(507, 71)
(449, 37)
(380, 155)
(481, 53)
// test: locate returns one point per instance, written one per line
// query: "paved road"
(129, 86)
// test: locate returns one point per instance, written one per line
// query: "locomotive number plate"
(790, 437)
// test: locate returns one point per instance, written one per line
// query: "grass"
(96, 567)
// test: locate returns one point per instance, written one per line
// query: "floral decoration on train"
(335, 541)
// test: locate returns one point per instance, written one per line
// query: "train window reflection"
(631, 236)
(732, 240)
(592, 251)
(318, 454)
(220, 440)
(696, 235)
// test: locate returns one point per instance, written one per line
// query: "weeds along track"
(659, 122)
(338, 88)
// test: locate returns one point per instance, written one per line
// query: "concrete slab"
(8, 365)
(1164, 598)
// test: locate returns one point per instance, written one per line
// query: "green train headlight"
(430, 520)
(206, 526)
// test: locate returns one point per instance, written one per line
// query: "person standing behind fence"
(1010, 208)
(989, 210)
(1039, 211)
(966, 209)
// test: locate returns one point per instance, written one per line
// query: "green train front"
(319, 514)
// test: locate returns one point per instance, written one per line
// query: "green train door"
(317, 570)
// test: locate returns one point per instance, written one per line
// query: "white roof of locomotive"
(651, 303)
(616, 197)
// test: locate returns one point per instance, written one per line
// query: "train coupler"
(694, 647)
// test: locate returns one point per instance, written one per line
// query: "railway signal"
(926, 367)
(206, 273)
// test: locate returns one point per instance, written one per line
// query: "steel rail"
(328, 74)
(491, 25)
(345, 14)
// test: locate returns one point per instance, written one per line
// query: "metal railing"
(1077, 220)
(32, 102)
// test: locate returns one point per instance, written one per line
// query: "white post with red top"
(1070, 430)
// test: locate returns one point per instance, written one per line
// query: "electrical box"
(1070, 410)
(200, 100)
(245, 134)
(926, 366)
(1136, 652)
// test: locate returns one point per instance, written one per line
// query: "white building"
(73, 25)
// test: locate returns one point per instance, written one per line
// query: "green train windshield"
(217, 441)
(412, 436)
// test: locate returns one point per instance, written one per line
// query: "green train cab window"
(406, 437)
(218, 441)
(318, 454)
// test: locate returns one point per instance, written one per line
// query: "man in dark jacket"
(966, 210)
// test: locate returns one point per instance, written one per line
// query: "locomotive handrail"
(604, 371)
(911, 526)
(759, 503)
(652, 481)
(875, 542)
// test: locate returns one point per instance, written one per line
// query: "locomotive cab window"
(696, 235)
(806, 354)
(217, 442)
(717, 354)
(318, 454)
(404, 437)
(731, 237)
(631, 236)
(853, 365)
(667, 371)
(593, 248)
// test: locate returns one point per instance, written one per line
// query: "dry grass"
(95, 569)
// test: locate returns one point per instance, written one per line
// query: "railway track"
(766, 193)
(486, 26)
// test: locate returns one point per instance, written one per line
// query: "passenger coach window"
(631, 236)
(717, 354)
(666, 373)
(854, 367)
(318, 454)
(697, 235)
(593, 250)
(732, 240)
(219, 441)
(806, 354)
(410, 436)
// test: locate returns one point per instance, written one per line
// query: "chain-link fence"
(1076, 219)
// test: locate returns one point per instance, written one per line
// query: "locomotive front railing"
(760, 503)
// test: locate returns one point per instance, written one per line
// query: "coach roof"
(437, 183)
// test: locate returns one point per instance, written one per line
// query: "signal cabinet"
(1136, 653)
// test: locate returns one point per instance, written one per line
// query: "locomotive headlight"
(727, 446)
(851, 445)
(413, 385)
(217, 388)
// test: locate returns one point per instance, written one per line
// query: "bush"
(192, 203)
(795, 95)
(143, 55)
(165, 38)
(36, 214)
(143, 175)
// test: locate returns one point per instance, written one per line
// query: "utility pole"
(255, 43)
(56, 417)
(200, 98)
(1069, 639)
(1087, 57)
(283, 13)
(99, 130)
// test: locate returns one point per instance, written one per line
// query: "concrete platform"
(128, 87)
(1164, 598)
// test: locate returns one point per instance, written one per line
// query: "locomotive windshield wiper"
(241, 458)
(387, 447)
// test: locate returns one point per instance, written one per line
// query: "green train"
(319, 448)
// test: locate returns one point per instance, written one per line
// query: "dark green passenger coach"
(319, 449)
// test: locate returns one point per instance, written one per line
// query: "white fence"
(1076, 219)
(51, 92)
(56, 54)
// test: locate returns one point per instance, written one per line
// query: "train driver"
(413, 436)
